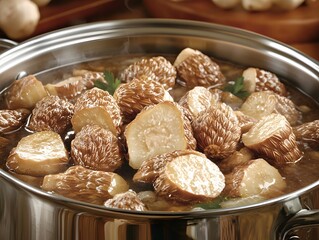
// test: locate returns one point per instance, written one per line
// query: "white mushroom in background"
(19, 18)
(259, 5)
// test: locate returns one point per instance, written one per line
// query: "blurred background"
(296, 22)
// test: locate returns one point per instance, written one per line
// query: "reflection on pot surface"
(132, 138)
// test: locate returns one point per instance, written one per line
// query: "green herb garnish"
(110, 84)
(236, 88)
(212, 205)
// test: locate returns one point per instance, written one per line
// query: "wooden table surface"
(139, 11)
(59, 14)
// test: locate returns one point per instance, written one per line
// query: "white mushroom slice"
(190, 178)
(256, 177)
(39, 154)
(85, 185)
(150, 169)
(157, 129)
(261, 104)
(96, 106)
(273, 137)
(25, 93)
(197, 100)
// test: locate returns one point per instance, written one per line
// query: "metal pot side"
(29, 213)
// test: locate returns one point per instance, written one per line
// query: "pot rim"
(72, 34)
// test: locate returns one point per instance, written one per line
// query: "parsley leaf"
(110, 84)
(215, 204)
(236, 88)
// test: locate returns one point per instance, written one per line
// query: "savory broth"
(296, 175)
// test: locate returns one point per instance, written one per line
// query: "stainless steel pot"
(29, 213)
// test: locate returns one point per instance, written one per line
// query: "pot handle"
(5, 44)
(303, 218)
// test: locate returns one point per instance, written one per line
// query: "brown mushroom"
(85, 185)
(217, 131)
(51, 113)
(273, 137)
(96, 106)
(256, 80)
(158, 69)
(190, 178)
(133, 96)
(196, 69)
(96, 148)
(11, 120)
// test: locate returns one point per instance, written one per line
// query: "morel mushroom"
(256, 80)
(96, 106)
(237, 158)
(75, 85)
(128, 201)
(190, 178)
(68, 88)
(150, 169)
(273, 137)
(307, 132)
(39, 154)
(197, 100)
(197, 69)
(133, 96)
(11, 120)
(158, 69)
(256, 177)
(260, 104)
(51, 113)
(158, 129)
(96, 148)
(85, 185)
(217, 131)
(24, 93)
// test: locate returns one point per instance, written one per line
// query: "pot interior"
(46, 55)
